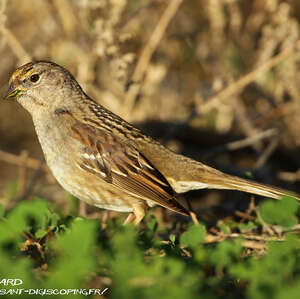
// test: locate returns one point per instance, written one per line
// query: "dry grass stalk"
(146, 54)
(229, 92)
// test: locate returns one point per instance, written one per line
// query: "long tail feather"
(235, 183)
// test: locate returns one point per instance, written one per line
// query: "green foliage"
(226, 253)
(282, 212)
(273, 272)
(75, 250)
(194, 236)
(46, 250)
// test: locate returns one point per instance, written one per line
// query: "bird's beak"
(12, 91)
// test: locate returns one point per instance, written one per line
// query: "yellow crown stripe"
(20, 72)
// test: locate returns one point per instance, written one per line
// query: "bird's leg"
(104, 218)
(139, 211)
(129, 218)
(192, 214)
(194, 217)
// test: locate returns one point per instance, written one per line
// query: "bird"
(102, 159)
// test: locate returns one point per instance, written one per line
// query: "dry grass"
(199, 74)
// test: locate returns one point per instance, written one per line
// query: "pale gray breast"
(59, 147)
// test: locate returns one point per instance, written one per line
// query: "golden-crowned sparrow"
(102, 159)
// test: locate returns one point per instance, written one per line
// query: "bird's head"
(41, 85)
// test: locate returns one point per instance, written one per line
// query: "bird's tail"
(219, 180)
(203, 176)
(236, 183)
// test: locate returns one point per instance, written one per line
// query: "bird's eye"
(34, 78)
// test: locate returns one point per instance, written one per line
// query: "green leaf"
(22, 215)
(249, 174)
(194, 236)
(247, 226)
(53, 217)
(224, 227)
(75, 258)
(40, 233)
(282, 212)
(226, 252)
(172, 238)
(266, 275)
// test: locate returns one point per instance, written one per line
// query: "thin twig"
(290, 176)
(267, 153)
(16, 46)
(32, 180)
(18, 160)
(147, 53)
(66, 16)
(235, 87)
(265, 225)
(246, 123)
(22, 173)
(252, 240)
(235, 145)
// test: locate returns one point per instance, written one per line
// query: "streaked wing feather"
(123, 166)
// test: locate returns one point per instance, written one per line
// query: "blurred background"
(215, 80)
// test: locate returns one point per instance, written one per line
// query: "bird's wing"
(122, 165)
